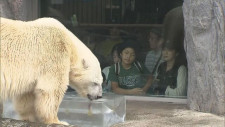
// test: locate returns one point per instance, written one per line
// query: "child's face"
(169, 54)
(116, 58)
(128, 56)
(153, 40)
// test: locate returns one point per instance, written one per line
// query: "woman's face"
(116, 57)
(153, 40)
(169, 54)
(128, 56)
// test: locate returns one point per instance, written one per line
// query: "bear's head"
(87, 79)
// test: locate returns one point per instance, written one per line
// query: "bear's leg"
(47, 105)
(49, 93)
(24, 105)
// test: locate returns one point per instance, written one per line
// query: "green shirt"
(128, 78)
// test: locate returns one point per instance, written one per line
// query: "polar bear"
(38, 60)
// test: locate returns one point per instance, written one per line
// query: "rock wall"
(19, 9)
(5, 122)
(205, 50)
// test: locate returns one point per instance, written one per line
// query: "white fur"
(38, 60)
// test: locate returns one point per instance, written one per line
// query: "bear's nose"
(98, 97)
(92, 97)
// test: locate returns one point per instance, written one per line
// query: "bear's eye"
(95, 84)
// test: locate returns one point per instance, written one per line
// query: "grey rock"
(5, 122)
(205, 49)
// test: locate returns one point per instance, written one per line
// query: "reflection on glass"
(151, 67)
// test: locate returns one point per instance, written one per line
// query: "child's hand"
(137, 91)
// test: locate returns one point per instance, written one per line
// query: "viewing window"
(144, 36)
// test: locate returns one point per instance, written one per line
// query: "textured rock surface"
(4, 122)
(4, 5)
(19, 9)
(205, 48)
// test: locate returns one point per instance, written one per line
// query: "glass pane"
(144, 36)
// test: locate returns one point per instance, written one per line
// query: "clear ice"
(104, 112)
(75, 110)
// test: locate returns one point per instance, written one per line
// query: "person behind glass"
(171, 76)
(129, 80)
(115, 56)
(104, 48)
(154, 56)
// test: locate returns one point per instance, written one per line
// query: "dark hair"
(169, 45)
(156, 31)
(128, 45)
(115, 48)
(181, 58)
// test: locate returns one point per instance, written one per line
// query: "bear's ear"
(85, 64)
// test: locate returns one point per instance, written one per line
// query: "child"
(105, 71)
(129, 79)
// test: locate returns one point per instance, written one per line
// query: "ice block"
(104, 112)
(75, 110)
